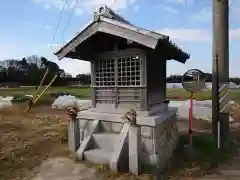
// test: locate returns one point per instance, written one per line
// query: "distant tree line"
(178, 79)
(30, 70)
(85, 79)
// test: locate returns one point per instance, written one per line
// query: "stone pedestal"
(150, 143)
(157, 143)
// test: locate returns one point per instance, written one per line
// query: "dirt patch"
(33, 145)
(65, 169)
(27, 139)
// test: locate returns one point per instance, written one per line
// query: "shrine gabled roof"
(111, 23)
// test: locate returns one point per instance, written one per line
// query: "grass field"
(53, 91)
(84, 93)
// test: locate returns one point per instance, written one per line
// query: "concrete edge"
(116, 157)
(141, 120)
(134, 145)
(87, 140)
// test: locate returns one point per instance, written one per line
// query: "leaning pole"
(220, 71)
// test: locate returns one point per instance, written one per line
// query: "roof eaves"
(180, 55)
(79, 33)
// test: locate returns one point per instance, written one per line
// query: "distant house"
(74, 82)
(9, 84)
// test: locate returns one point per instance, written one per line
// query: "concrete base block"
(73, 135)
(120, 158)
(105, 141)
(134, 134)
(98, 156)
(150, 143)
(111, 127)
(87, 140)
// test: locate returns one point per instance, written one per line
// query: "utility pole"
(220, 70)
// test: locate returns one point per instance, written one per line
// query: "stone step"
(105, 141)
(98, 156)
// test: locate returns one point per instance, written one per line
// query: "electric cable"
(59, 20)
(69, 19)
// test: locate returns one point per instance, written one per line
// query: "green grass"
(84, 93)
(52, 91)
(207, 152)
(181, 94)
(48, 97)
(206, 157)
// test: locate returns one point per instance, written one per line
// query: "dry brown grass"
(26, 140)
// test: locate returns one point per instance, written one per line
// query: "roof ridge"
(107, 12)
(134, 28)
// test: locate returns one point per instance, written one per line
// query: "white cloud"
(55, 47)
(47, 6)
(235, 34)
(78, 11)
(235, 9)
(136, 8)
(52, 46)
(168, 9)
(184, 34)
(47, 26)
(13, 49)
(74, 66)
(86, 5)
(56, 3)
(3, 56)
(204, 15)
(177, 1)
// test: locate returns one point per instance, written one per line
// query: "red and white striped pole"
(190, 118)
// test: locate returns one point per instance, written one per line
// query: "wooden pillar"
(144, 98)
(220, 70)
(93, 83)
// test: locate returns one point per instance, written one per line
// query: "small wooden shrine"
(128, 71)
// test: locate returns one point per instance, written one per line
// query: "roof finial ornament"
(104, 11)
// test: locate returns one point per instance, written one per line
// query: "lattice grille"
(105, 72)
(128, 71)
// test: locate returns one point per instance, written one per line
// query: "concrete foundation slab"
(98, 156)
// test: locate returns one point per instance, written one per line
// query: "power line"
(69, 19)
(59, 20)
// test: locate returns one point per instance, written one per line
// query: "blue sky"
(27, 28)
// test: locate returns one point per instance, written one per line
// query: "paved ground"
(64, 169)
(67, 169)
